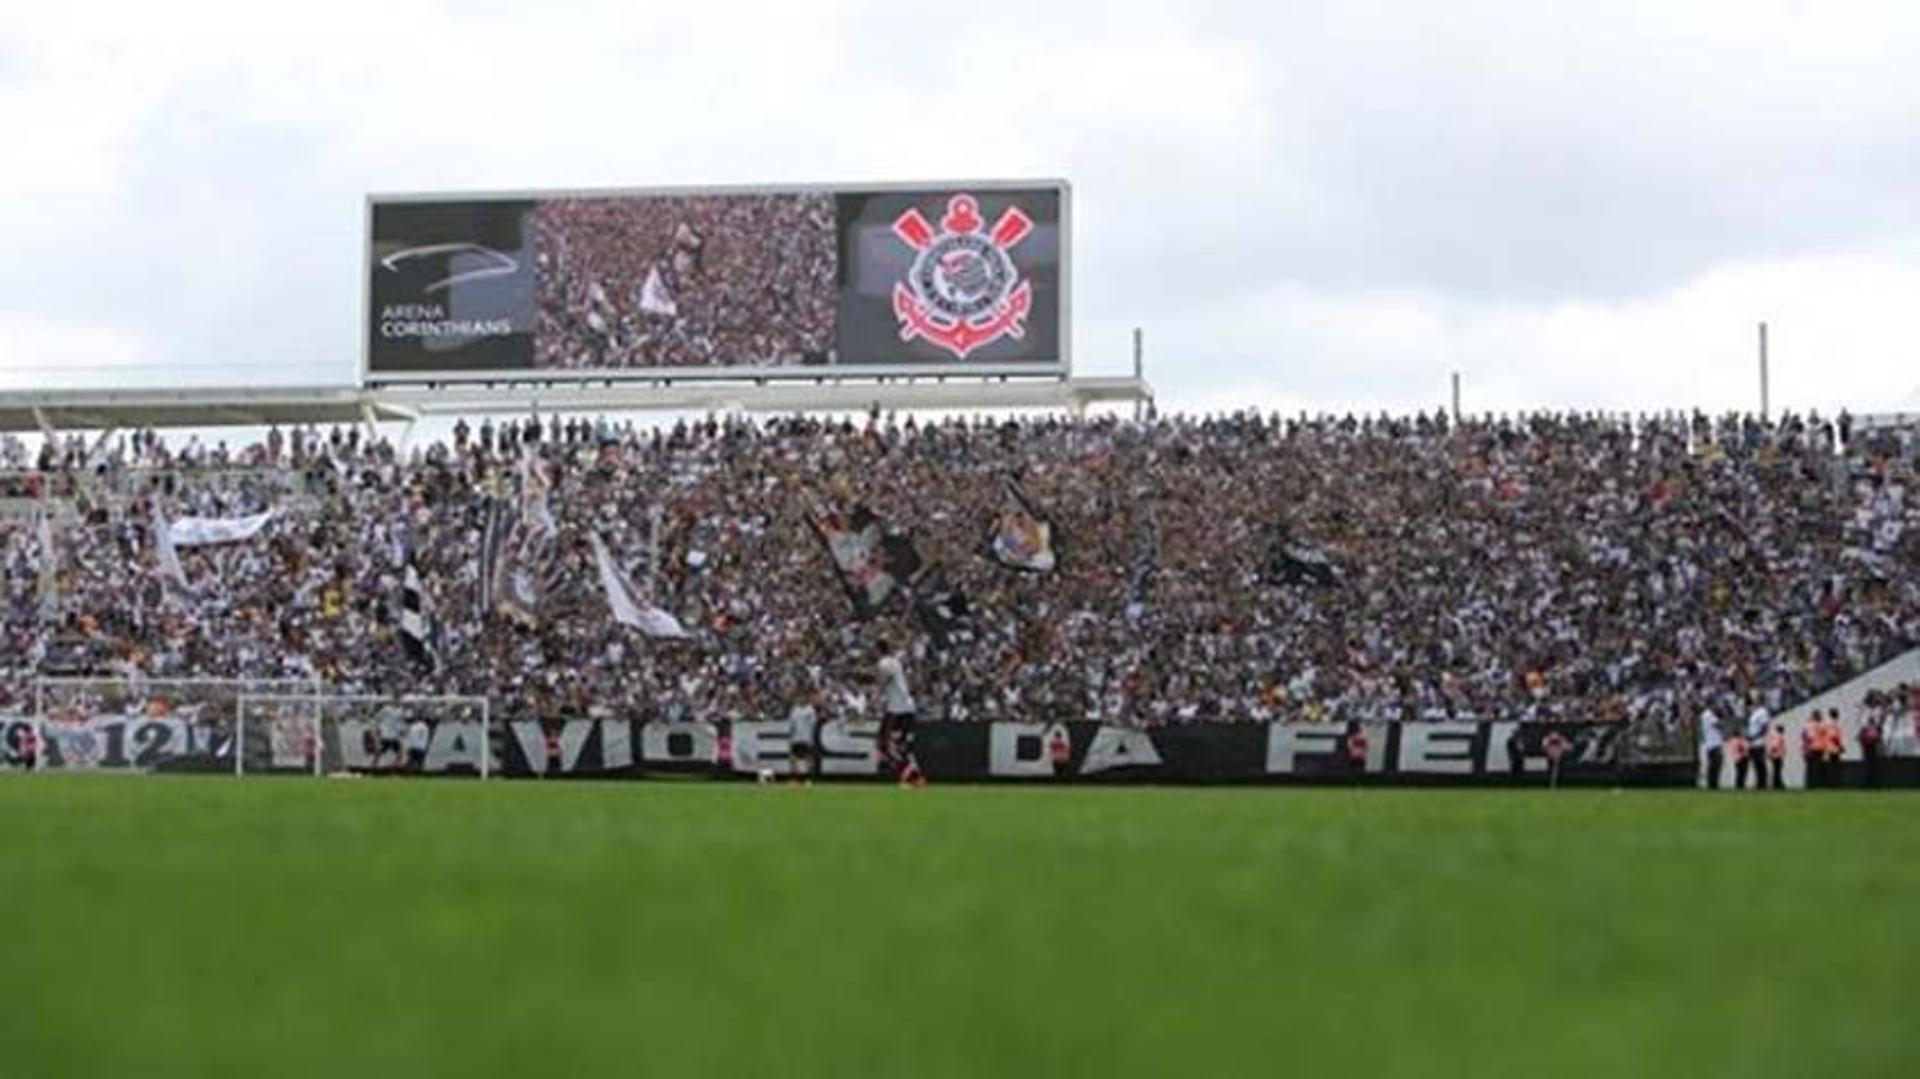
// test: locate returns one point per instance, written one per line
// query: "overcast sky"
(1304, 204)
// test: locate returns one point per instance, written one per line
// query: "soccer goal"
(134, 725)
(321, 734)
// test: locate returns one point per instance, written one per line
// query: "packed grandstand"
(1196, 570)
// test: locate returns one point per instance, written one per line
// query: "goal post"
(120, 725)
(277, 735)
(329, 734)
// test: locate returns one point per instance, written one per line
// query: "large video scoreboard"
(967, 278)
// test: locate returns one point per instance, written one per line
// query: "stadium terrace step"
(1848, 699)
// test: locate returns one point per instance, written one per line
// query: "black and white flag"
(1293, 562)
(417, 630)
(519, 564)
(871, 562)
(941, 606)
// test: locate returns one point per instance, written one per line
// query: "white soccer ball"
(766, 775)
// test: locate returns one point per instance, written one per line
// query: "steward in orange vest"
(1742, 754)
(1777, 755)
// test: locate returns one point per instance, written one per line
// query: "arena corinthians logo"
(963, 291)
(431, 320)
(491, 263)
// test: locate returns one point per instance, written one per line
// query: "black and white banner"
(1466, 753)
(116, 743)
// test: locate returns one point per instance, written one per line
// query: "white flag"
(654, 297)
(533, 496)
(167, 556)
(49, 566)
(202, 531)
(627, 610)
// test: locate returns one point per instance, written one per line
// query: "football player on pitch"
(897, 715)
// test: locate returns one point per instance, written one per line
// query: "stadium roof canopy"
(95, 410)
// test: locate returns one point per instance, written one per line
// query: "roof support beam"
(139, 409)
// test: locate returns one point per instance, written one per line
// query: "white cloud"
(1324, 204)
(36, 353)
(1833, 331)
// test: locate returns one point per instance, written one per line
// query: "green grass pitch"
(214, 927)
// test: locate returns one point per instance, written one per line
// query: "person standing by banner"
(1059, 746)
(26, 752)
(1759, 722)
(551, 746)
(1826, 743)
(803, 738)
(1871, 739)
(898, 712)
(419, 737)
(1777, 756)
(1555, 746)
(1713, 742)
(1740, 750)
(1356, 751)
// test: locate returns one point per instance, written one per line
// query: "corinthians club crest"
(963, 291)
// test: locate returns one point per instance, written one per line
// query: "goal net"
(143, 724)
(319, 734)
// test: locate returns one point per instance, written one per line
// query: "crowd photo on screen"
(1658, 572)
(686, 281)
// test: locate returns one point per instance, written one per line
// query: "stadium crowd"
(1548, 567)
(683, 282)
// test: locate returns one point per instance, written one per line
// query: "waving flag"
(49, 565)
(1022, 538)
(535, 504)
(941, 607)
(518, 567)
(870, 562)
(628, 609)
(654, 297)
(1292, 562)
(417, 634)
(207, 531)
(166, 555)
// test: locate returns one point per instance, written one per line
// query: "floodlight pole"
(1139, 370)
(1456, 398)
(1764, 402)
